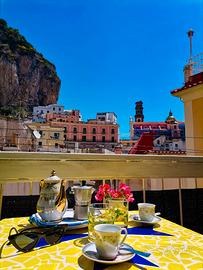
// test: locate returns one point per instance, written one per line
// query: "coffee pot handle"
(61, 202)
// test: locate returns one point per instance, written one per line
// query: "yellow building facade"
(192, 96)
(48, 138)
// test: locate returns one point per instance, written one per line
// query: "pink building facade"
(88, 132)
(91, 134)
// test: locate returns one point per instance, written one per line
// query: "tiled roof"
(149, 123)
(154, 123)
(193, 81)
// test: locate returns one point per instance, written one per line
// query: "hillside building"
(39, 112)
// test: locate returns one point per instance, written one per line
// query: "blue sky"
(111, 53)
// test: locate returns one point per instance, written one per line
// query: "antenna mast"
(190, 34)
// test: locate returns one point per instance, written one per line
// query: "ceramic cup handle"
(124, 237)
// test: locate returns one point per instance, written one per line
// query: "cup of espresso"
(108, 240)
(146, 211)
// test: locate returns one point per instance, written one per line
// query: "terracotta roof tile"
(193, 81)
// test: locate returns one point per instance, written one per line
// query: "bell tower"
(139, 116)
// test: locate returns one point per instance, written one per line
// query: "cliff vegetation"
(27, 79)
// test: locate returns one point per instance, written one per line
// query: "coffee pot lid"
(53, 177)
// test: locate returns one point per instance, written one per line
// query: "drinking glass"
(119, 207)
(99, 213)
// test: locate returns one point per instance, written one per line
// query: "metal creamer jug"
(52, 202)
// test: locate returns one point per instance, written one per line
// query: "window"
(59, 109)
(75, 138)
(176, 145)
(56, 135)
(56, 145)
(53, 108)
(167, 147)
(103, 131)
(84, 138)
(112, 131)
(112, 139)
(47, 111)
(40, 144)
(74, 130)
(103, 138)
(94, 138)
(84, 131)
(94, 130)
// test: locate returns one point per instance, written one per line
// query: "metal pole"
(190, 35)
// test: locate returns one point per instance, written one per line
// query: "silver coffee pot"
(52, 202)
(82, 195)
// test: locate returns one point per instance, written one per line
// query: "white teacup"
(146, 211)
(108, 240)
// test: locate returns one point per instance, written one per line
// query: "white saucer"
(136, 218)
(68, 219)
(90, 252)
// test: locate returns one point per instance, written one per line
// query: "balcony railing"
(197, 63)
(145, 173)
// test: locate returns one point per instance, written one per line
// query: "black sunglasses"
(27, 239)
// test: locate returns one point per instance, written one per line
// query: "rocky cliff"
(27, 79)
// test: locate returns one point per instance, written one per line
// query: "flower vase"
(120, 211)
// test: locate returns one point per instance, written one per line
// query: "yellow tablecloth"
(182, 250)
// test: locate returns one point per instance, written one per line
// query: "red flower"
(115, 194)
(99, 196)
(124, 188)
(106, 192)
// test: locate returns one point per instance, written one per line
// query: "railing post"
(162, 183)
(180, 202)
(143, 189)
(31, 187)
(1, 198)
